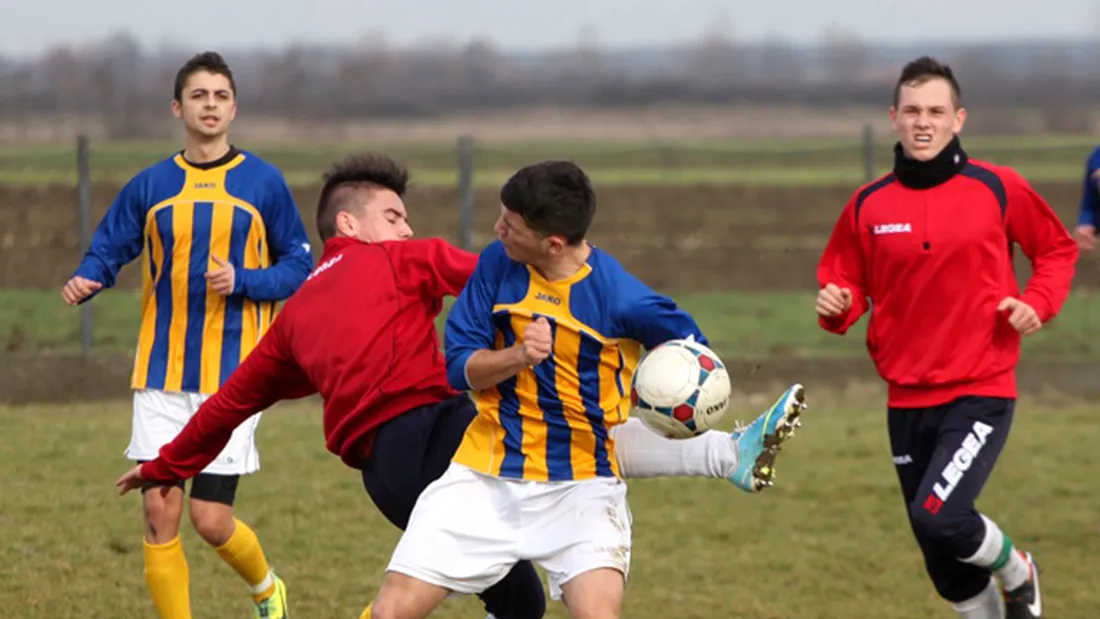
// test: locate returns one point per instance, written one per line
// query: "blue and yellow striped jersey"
(179, 214)
(552, 422)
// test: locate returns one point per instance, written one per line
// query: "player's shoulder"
(156, 181)
(869, 189)
(612, 275)
(258, 168)
(993, 174)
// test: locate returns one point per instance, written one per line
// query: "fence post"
(869, 152)
(466, 192)
(84, 215)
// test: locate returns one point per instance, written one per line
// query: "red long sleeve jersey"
(933, 265)
(360, 331)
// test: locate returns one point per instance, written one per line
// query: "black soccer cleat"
(1025, 601)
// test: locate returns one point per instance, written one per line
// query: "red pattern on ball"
(683, 413)
(707, 363)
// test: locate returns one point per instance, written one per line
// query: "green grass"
(742, 324)
(828, 541)
(794, 162)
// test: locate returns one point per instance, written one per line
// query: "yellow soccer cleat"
(274, 607)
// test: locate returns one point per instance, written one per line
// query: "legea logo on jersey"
(892, 228)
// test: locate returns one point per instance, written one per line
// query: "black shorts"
(412, 451)
(207, 487)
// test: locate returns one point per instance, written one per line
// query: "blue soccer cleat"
(758, 444)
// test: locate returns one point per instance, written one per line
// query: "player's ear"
(177, 109)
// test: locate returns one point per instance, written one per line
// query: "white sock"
(985, 605)
(642, 453)
(998, 554)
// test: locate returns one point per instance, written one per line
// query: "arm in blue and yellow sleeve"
(118, 239)
(469, 326)
(1090, 193)
(653, 319)
(290, 250)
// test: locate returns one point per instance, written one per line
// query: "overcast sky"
(29, 26)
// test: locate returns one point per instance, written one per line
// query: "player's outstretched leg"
(759, 443)
(642, 453)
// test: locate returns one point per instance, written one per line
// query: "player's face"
(523, 244)
(926, 118)
(206, 105)
(381, 217)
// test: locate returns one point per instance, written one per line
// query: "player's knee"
(944, 527)
(161, 511)
(212, 521)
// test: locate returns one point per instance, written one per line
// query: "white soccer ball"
(680, 389)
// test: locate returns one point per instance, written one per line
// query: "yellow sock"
(366, 613)
(168, 579)
(244, 554)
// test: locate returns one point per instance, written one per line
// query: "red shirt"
(360, 331)
(933, 265)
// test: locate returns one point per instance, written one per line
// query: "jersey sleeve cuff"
(456, 371)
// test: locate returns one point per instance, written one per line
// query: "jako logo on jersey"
(892, 228)
(206, 186)
(958, 466)
(542, 296)
(326, 265)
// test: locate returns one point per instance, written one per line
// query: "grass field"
(828, 541)
(748, 325)
(793, 162)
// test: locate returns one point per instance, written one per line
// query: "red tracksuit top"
(360, 331)
(932, 264)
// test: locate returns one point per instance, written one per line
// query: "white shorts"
(159, 416)
(468, 530)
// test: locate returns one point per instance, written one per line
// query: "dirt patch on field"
(685, 239)
(39, 377)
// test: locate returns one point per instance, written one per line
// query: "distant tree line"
(125, 87)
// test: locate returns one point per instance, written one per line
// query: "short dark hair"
(211, 62)
(553, 197)
(365, 171)
(927, 68)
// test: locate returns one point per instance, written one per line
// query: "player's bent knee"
(212, 521)
(596, 594)
(944, 527)
(162, 508)
(404, 597)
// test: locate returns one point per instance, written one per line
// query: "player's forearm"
(488, 368)
(274, 283)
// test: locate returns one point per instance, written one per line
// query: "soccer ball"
(680, 389)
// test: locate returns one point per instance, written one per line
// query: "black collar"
(936, 171)
(217, 163)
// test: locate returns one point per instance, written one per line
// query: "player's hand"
(833, 301)
(79, 288)
(130, 481)
(536, 342)
(222, 278)
(1086, 236)
(1021, 316)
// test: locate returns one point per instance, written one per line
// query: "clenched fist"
(1085, 235)
(222, 278)
(1021, 316)
(537, 342)
(833, 301)
(78, 288)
